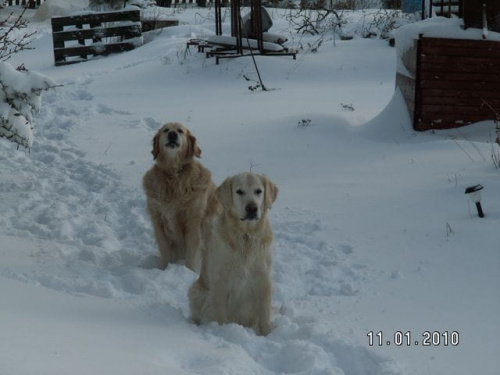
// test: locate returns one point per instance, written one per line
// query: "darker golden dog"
(179, 194)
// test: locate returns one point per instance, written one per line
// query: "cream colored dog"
(180, 195)
(235, 281)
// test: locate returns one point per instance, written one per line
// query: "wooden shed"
(448, 82)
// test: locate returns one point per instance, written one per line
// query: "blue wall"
(411, 6)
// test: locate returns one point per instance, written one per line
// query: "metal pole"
(479, 209)
(253, 59)
(485, 23)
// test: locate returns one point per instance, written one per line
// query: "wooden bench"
(78, 37)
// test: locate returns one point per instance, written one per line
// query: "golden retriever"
(180, 195)
(235, 281)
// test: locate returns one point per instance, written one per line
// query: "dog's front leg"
(193, 246)
(197, 295)
(164, 243)
(263, 305)
(219, 300)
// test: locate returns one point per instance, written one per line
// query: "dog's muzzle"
(251, 212)
(173, 140)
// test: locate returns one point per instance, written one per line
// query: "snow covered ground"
(373, 231)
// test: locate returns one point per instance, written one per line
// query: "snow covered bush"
(383, 22)
(326, 19)
(20, 98)
(20, 90)
(316, 21)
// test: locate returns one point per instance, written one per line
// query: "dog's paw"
(263, 329)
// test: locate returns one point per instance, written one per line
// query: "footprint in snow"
(305, 265)
(81, 94)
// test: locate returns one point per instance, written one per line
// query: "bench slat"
(128, 15)
(99, 32)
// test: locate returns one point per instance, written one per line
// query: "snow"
(20, 97)
(230, 41)
(58, 8)
(373, 231)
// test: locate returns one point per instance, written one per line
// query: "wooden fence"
(180, 3)
(447, 8)
(456, 82)
(31, 4)
(78, 37)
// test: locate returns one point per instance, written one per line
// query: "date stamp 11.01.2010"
(406, 338)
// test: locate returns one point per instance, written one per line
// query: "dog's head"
(247, 196)
(174, 143)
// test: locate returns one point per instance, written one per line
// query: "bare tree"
(10, 44)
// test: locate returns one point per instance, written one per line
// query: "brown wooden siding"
(473, 14)
(454, 79)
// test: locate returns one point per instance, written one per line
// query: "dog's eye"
(180, 131)
(166, 130)
(258, 191)
(239, 192)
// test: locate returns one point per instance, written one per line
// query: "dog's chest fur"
(173, 189)
(239, 264)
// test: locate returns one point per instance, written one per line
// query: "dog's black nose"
(251, 209)
(172, 136)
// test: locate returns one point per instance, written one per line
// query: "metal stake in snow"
(253, 58)
(257, 70)
(474, 193)
(485, 23)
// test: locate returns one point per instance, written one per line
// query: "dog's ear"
(192, 147)
(270, 191)
(156, 145)
(224, 193)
